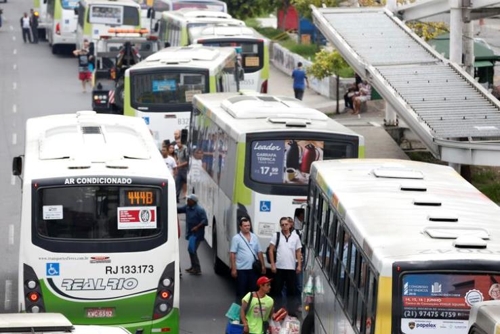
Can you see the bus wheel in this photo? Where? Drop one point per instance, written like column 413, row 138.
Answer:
column 307, row 325
column 218, row 264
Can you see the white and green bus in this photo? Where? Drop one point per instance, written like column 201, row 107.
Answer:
column 396, row 246
column 170, row 5
column 257, row 153
column 96, row 17
column 99, row 223
column 174, row 26
column 252, row 48
column 160, row 89
column 61, row 23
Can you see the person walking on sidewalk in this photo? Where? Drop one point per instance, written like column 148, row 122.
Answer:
column 196, row 220
column 25, row 26
column 299, row 81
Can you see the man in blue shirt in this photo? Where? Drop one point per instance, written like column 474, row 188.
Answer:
column 196, row 220
column 299, row 81
column 245, row 249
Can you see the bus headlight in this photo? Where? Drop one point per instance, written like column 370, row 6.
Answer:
column 167, row 282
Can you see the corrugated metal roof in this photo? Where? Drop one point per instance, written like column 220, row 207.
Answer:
column 437, row 99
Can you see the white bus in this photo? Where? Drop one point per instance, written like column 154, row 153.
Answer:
column 252, row 48
column 96, row 17
column 257, row 152
column 170, row 5
column 40, row 6
column 396, row 246
column 61, row 23
column 99, row 223
column 174, row 26
column 160, row 89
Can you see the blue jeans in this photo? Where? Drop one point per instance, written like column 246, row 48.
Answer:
column 246, row 280
column 195, row 261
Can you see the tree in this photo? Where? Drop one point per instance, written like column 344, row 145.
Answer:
column 326, row 64
column 428, row 30
column 304, row 9
column 244, row 9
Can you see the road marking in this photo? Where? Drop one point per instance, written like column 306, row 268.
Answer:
column 13, row 180
column 14, row 138
column 14, row 51
column 14, row 108
column 14, row 38
column 14, row 66
column 14, row 85
column 11, row 234
column 8, row 294
column 11, row 27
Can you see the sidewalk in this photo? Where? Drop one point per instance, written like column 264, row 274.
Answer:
column 378, row 143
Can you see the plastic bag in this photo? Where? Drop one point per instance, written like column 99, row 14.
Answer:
column 274, row 326
column 291, row 324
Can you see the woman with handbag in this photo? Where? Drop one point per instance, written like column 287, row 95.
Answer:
column 247, row 261
column 256, row 308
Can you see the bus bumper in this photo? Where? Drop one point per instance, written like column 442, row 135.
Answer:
column 168, row 324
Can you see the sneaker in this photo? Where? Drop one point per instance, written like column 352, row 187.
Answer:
column 189, row 270
column 195, row 272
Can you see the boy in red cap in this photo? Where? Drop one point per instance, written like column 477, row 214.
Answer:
column 259, row 309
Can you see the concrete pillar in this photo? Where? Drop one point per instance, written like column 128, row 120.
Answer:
column 390, row 115
column 391, row 5
column 456, row 31
column 468, row 40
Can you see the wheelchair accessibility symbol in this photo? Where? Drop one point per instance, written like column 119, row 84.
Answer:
column 146, row 119
column 52, row 269
column 265, row 206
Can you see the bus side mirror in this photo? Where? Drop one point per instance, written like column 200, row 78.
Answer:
column 184, row 136
column 75, row 10
column 156, row 27
column 17, row 166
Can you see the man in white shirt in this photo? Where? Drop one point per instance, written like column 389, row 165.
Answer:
column 25, row 26
column 286, row 266
column 169, row 160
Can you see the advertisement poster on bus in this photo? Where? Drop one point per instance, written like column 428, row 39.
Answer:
column 104, row 14
column 134, row 217
column 441, row 303
column 284, row 161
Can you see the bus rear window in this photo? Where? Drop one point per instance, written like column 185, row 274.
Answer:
column 289, row 161
column 432, row 301
column 207, row 5
column 69, row 4
column 251, row 53
column 114, row 15
column 156, row 89
column 98, row 212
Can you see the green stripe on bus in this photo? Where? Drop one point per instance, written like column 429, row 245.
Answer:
column 242, row 194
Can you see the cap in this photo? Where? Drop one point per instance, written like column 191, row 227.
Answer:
column 263, row 280
column 193, row 197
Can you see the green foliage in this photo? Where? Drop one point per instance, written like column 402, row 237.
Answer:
column 326, row 64
column 252, row 22
column 303, row 6
column 307, row 51
column 273, row 34
column 244, row 9
column 428, row 30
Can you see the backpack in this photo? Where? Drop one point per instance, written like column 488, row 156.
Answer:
column 275, row 249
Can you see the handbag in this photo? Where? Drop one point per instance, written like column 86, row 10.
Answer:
column 256, row 265
column 265, row 323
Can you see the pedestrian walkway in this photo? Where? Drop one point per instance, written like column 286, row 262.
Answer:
column 378, row 143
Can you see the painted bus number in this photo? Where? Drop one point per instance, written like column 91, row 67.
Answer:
column 108, row 312
column 183, row 121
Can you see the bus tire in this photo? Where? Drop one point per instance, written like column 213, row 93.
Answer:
column 307, row 326
column 218, row 264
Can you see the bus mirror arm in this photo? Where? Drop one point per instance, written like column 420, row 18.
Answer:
column 184, row 136
column 75, row 10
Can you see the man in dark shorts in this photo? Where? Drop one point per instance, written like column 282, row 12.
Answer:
column 84, row 75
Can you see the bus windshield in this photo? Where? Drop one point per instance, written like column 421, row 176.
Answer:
column 252, row 52
column 69, row 4
column 288, row 161
column 114, row 15
column 431, row 300
column 162, row 88
column 98, row 212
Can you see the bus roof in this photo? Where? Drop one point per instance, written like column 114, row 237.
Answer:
column 196, row 13
column 242, row 113
column 223, row 32
column 192, row 56
column 110, row 2
column 50, row 323
column 93, row 144
column 400, row 210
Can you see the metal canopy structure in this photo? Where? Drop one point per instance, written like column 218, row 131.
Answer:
column 426, row 8
column 455, row 117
